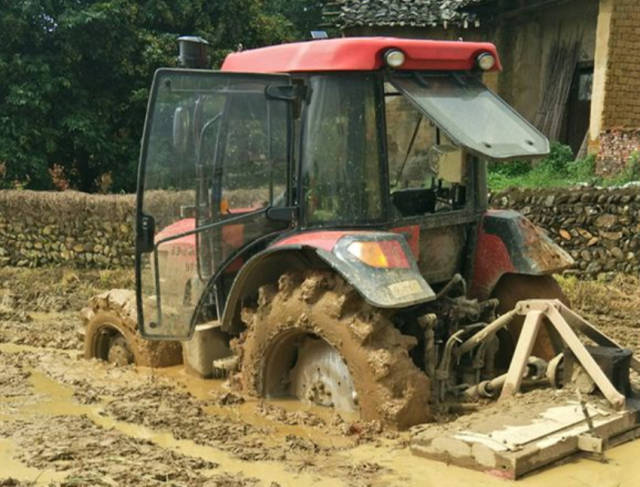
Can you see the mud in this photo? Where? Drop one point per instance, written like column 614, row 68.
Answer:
column 390, row 389
column 67, row 421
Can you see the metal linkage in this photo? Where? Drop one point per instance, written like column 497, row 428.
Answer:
column 486, row 332
column 559, row 316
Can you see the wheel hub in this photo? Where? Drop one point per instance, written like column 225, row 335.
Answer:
column 320, row 376
column 119, row 353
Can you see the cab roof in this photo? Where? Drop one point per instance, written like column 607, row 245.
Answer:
column 359, row 54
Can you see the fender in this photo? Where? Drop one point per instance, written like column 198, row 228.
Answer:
column 508, row 242
column 397, row 285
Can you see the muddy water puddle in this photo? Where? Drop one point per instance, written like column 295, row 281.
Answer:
column 10, row 467
column 50, row 398
column 56, row 399
column 274, row 414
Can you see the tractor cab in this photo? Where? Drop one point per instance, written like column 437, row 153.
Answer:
column 369, row 151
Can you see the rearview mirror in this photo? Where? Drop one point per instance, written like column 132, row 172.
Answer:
column 181, row 126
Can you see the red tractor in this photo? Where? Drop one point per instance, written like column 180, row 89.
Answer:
column 324, row 226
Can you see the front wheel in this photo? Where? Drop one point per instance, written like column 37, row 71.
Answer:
column 312, row 337
column 111, row 334
column 106, row 339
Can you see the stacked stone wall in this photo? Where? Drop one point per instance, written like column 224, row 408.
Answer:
column 600, row 228
column 76, row 229
column 69, row 228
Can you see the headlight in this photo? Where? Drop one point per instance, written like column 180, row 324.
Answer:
column 394, row 58
column 486, row 61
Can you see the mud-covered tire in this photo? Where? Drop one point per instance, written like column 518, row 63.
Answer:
column 390, row 388
column 516, row 287
column 115, row 312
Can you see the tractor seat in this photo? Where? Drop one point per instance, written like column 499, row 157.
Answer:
column 414, row 201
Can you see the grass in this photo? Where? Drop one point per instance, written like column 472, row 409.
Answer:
column 559, row 169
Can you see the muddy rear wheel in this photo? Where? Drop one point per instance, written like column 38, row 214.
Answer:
column 111, row 334
column 312, row 336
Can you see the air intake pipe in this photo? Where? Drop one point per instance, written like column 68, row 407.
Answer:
column 193, row 52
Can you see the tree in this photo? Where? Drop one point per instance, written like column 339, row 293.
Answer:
column 305, row 15
column 76, row 75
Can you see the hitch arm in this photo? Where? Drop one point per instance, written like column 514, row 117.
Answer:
column 535, row 310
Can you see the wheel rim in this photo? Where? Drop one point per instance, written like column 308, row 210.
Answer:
column 119, row 353
column 112, row 347
column 320, row 376
column 308, row 368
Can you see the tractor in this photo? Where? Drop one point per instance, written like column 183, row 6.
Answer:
column 312, row 222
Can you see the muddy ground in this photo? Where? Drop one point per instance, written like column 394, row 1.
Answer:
column 71, row 422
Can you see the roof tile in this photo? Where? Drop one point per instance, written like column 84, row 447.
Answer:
column 390, row 13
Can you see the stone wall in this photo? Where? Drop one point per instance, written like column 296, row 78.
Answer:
column 69, row 228
column 77, row 229
column 600, row 228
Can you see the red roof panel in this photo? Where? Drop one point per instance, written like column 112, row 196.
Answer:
column 358, row 54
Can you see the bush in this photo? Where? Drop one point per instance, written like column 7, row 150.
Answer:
column 557, row 169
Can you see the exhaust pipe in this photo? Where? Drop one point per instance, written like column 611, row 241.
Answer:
column 193, row 52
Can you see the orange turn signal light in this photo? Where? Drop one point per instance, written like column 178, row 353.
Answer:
column 381, row 254
column 369, row 252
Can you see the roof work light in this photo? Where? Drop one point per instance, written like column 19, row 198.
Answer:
column 394, row 58
column 486, row 61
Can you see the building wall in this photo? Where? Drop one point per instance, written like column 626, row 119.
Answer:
column 618, row 122
column 526, row 42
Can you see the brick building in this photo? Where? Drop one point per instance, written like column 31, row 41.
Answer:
column 615, row 114
column 572, row 67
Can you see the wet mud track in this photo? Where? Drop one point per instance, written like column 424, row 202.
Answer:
column 71, row 422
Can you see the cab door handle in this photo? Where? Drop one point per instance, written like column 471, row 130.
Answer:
column 146, row 231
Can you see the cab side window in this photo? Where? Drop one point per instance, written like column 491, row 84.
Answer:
column 427, row 172
column 254, row 169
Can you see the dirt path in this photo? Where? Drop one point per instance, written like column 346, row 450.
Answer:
column 70, row 422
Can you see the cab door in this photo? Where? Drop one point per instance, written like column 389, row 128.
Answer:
column 215, row 161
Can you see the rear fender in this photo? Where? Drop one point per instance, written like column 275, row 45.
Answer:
column 392, row 287
column 509, row 243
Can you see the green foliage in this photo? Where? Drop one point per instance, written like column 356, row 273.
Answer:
column 75, row 77
column 631, row 171
column 304, row 15
column 558, row 169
